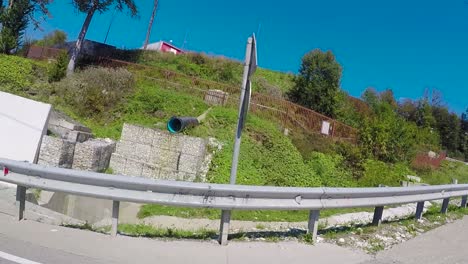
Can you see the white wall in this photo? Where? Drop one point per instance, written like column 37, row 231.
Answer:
column 22, row 124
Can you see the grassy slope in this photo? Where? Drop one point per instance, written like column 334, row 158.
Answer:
column 218, row 69
column 267, row 156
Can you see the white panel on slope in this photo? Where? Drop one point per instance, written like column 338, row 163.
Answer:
column 23, row 122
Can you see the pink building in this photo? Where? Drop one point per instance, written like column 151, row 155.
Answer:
column 164, row 47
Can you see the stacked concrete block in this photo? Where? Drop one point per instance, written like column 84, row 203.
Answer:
column 67, row 128
column 56, row 152
column 216, row 97
column 93, row 155
column 157, row 154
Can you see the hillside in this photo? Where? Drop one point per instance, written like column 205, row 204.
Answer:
column 214, row 68
column 104, row 99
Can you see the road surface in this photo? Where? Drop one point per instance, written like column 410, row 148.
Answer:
column 30, row 242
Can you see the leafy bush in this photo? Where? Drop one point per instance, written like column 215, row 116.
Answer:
column 353, row 159
column 58, row 70
column 95, row 92
column 15, row 73
column 445, row 174
column 330, row 170
column 387, row 136
column 378, row 172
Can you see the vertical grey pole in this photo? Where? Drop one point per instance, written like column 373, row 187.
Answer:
column 419, row 210
column 445, row 205
column 463, row 201
column 312, row 226
column 115, row 217
column 446, row 201
column 224, row 227
column 20, row 201
column 378, row 212
column 226, row 214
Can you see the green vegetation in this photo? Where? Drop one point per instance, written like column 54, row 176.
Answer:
column 213, row 68
column 318, row 83
column 257, row 216
column 15, row 16
column 382, row 156
column 141, row 230
column 58, row 70
column 56, row 37
column 15, row 73
column 447, row 172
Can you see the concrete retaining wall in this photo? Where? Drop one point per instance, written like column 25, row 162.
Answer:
column 157, row 154
column 91, row 155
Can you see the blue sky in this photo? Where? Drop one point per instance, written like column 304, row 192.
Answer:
column 405, row 45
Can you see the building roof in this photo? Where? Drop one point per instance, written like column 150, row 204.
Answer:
column 158, row 45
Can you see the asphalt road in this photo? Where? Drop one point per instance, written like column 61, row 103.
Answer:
column 30, row 242
column 47, row 244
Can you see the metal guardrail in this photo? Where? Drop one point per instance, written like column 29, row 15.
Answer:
column 220, row 196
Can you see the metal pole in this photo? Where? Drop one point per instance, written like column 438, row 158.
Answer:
column 115, row 217
column 226, row 214
column 20, row 201
column 378, row 212
column 419, row 210
column 240, row 120
column 312, row 225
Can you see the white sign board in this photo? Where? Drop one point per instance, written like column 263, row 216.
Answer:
column 325, row 127
column 23, row 122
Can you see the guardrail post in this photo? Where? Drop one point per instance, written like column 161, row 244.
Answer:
column 20, row 201
column 463, row 201
column 115, row 217
column 224, row 227
column 312, row 226
column 378, row 212
column 446, row 201
column 419, row 210
column 445, row 205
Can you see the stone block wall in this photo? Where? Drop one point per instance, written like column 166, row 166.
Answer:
column 157, row 154
column 91, row 155
column 56, row 152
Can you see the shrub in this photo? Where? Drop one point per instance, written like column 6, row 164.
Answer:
column 378, row 172
column 330, row 170
column 15, row 73
column 58, row 70
column 353, row 159
column 95, row 92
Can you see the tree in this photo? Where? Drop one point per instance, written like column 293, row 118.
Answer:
column 371, row 97
column 14, row 20
column 90, row 7
column 15, row 17
column 318, row 82
column 424, row 114
column 408, row 109
column 388, row 97
column 56, row 37
column 150, row 25
column 449, row 126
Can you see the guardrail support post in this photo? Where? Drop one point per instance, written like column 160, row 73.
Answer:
column 20, row 201
column 446, row 201
column 378, row 212
column 115, row 217
column 445, row 205
column 419, row 210
column 224, row 227
column 463, row 201
column 312, row 226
